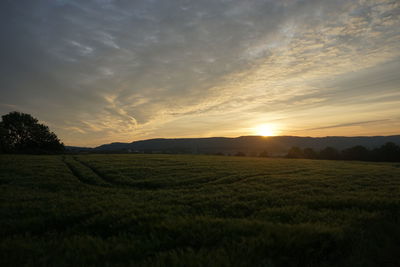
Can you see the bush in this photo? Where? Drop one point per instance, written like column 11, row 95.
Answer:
column 295, row 153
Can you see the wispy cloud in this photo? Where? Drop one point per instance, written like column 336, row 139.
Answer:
column 122, row 70
column 348, row 124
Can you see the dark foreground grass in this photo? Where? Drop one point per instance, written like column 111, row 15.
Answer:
column 163, row 210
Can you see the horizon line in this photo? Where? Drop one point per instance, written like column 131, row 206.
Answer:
column 272, row 136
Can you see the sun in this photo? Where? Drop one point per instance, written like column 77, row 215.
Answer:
column 265, row 130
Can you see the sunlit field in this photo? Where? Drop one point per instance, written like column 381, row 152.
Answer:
column 182, row 210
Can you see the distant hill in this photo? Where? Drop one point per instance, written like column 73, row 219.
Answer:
column 250, row 145
column 78, row 149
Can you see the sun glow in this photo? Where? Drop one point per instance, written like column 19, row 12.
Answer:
column 265, row 130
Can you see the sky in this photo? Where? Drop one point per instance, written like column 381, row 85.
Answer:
column 101, row 71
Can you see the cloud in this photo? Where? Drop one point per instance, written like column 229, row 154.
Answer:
column 122, row 70
column 82, row 49
column 348, row 124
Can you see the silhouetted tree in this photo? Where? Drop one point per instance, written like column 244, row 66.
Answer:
column 309, row 153
column 3, row 141
column 356, row 153
column 240, row 154
column 329, row 153
column 295, row 153
column 263, row 154
column 21, row 133
column 388, row 152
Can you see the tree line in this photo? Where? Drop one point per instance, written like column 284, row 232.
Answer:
column 389, row 152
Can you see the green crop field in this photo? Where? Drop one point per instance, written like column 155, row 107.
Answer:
column 183, row 210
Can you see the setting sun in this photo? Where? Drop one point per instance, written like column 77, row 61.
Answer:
column 265, row 130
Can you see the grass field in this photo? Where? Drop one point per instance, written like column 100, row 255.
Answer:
column 183, row 210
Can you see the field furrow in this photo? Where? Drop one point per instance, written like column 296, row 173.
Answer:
column 83, row 173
